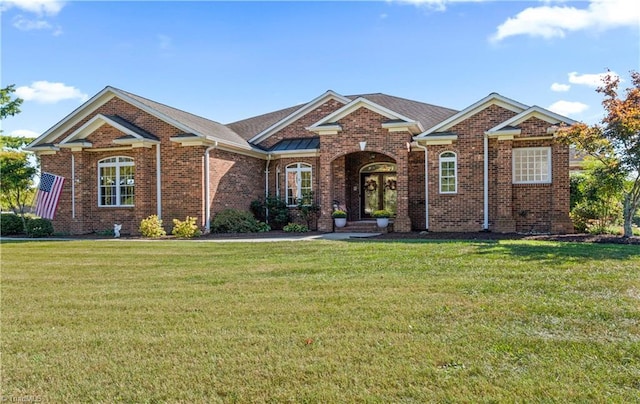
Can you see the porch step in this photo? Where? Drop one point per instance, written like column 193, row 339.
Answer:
column 364, row 226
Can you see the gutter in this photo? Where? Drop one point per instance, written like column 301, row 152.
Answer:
column 207, row 188
column 266, row 187
column 158, row 183
column 426, row 186
column 485, row 179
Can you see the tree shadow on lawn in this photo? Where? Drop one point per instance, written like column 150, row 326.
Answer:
column 539, row 251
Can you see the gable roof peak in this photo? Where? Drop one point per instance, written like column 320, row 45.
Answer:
column 491, row 99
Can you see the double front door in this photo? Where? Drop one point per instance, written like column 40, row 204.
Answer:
column 378, row 191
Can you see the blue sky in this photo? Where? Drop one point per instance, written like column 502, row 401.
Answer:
column 232, row 60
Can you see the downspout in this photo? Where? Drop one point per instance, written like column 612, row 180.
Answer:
column 207, row 188
column 158, row 183
column 73, row 186
column 426, row 186
column 485, row 190
column 266, row 188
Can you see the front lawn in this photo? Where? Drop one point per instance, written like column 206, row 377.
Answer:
column 320, row 321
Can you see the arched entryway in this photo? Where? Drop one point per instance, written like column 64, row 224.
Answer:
column 378, row 185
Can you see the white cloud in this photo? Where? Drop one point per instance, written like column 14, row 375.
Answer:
column 560, row 87
column 40, row 7
column 557, row 21
column 26, row 24
column 591, row 80
column 24, row 133
column 48, row 93
column 568, row 108
column 439, row 5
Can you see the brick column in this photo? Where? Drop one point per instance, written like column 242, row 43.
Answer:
column 402, row 222
column 560, row 191
column 76, row 225
column 505, row 223
column 325, row 221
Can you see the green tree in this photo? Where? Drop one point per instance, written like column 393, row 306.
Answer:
column 9, row 106
column 16, row 171
column 615, row 141
column 596, row 197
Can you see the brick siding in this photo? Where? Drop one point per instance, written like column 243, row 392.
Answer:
column 237, row 179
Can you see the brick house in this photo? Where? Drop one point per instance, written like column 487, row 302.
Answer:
column 493, row 166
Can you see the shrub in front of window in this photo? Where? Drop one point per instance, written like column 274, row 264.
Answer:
column 234, row 221
column 275, row 208
column 152, row 227
column 263, row 227
column 295, row 228
column 186, row 229
column 11, row 225
column 39, row 228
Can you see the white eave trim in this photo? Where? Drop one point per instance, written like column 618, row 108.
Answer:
column 77, row 114
column 296, row 153
column 43, row 150
column 412, row 127
column 358, row 103
column 93, row 124
column 326, row 129
column 533, row 112
column 136, row 142
column 491, row 99
column 503, row 132
column 310, row 106
column 433, row 140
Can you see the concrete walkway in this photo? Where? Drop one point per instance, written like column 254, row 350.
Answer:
column 327, row 236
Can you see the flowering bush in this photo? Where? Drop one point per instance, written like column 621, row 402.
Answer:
column 186, row 229
column 152, row 227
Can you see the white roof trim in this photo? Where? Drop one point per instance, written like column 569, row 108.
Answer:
column 491, row 99
column 331, row 128
column 310, row 106
column 437, row 139
column 534, row 111
column 93, row 124
column 102, row 98
column 77, row 114
column 356, row 104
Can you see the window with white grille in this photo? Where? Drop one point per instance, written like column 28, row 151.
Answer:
column 532, row 165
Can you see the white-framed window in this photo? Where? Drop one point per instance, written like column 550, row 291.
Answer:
column 532, row 165
column 116, row 181
column 298, row 183
column 448, row 173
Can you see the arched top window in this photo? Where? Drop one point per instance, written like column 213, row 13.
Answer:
column 116, row 181
column 448, row 173
column 298, row 184
column 379, row 168
column 116, row 160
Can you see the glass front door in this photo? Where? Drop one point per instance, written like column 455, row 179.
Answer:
column 378, row 189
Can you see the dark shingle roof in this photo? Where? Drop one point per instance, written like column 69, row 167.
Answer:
column 139, row 131
column 427, row 114
column 248, row 128
column 197, row 123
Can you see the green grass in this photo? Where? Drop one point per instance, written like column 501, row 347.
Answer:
column 320, row 321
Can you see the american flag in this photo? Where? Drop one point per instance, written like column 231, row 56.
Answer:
column 48, row 195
